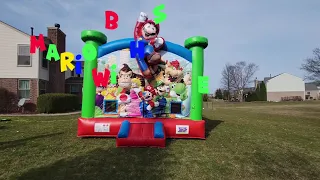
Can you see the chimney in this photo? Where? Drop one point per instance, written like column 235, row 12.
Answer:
column 56, row 77
column 57, row 25
column 57, row 37
column 31, row 31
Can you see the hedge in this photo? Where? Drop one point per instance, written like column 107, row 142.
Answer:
column 57, row 103
column 252, row 96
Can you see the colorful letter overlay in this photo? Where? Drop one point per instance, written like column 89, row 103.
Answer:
column 111, row 24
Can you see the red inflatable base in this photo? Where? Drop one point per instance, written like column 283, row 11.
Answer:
column 109, row 127
column 141, row 135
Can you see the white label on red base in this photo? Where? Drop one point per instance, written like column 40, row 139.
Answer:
column 101, row 127
column 182, row 129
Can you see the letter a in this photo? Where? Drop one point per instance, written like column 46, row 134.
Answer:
column 35, row 43
column 66, row 59
column 53, row 53
column 111, row 24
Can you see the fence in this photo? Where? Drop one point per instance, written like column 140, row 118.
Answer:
column 213, row 103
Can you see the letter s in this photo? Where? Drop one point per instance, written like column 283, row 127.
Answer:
column 161, row 15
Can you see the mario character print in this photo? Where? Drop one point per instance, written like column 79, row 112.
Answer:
column 148, row 31
column 147, row 103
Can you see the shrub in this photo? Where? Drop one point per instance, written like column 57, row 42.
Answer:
column 252, row 96
column 29, row 107
column 205, row 98
column 8, row 101
column 262, row 96
column 57, row 103
column 292, row 98
column 218, row 94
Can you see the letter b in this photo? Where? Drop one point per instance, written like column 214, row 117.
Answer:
column 111, row 24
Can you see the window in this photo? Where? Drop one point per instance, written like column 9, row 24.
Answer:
column 44, row 61
column 24, row 58
column 75, row 88
column 73, row 72
column 24, row 89
column 176, row 107
column 42, row 87
column 110, row 106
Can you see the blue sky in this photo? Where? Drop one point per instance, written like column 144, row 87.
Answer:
column 275, row 34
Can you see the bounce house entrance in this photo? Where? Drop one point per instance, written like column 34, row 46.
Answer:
column 141, row 134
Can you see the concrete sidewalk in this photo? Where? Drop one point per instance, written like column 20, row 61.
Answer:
column 56, row 114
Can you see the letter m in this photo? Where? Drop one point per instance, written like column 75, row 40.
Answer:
column 99, row 78
column 35, row 43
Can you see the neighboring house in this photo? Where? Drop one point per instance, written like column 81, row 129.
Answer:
column 283, row 86
column 73, row 82
column 29, row 75
column 312, row 91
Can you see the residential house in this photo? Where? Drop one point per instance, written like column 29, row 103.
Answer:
column 29, row 75
column 283, row 86
column 74, row 82
column 312, row 91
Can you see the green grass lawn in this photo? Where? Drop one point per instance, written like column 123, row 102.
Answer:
column 245, row 141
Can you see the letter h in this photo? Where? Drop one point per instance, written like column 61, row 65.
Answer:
column 137, row 48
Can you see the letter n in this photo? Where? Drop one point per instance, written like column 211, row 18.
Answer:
column 35, row 43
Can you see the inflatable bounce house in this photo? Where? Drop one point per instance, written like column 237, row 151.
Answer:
column 144, row 100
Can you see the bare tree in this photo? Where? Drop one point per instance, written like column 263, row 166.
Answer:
column 226, row 78
column 312, row 66
column 237, row 77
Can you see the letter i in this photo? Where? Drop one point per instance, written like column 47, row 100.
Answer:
column 113, row 74
column 78, row 64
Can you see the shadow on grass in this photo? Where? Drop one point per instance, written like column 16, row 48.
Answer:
column 114, row 163
column 20, row 142
column 210, row 125
column 284, row 165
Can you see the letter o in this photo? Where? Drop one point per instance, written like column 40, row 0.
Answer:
column 89, row 52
